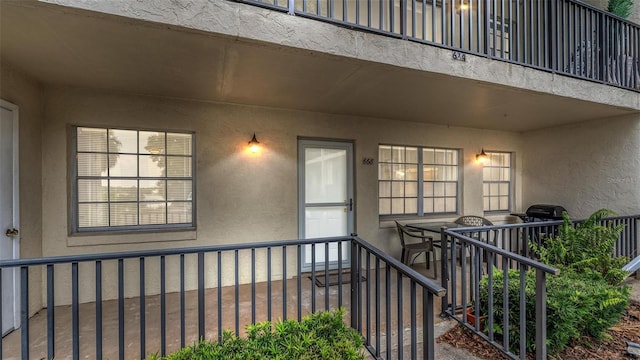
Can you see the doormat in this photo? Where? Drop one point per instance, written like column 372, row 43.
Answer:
column 321, row 279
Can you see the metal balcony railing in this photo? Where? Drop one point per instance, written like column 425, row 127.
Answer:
column 130, row 304
column 491, row 249
column 561, row 36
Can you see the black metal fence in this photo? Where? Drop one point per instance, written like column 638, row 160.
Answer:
column 481, row 252
column 561, row 36
column 131, row 304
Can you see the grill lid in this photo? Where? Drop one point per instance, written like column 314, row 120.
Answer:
column 542, row 211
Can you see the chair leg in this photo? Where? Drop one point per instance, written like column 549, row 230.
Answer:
column 402, row 257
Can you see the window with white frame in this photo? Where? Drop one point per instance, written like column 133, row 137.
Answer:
column 415, row 180
column 131, row 179
column 497, row 176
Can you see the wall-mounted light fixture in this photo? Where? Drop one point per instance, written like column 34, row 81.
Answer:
column 254, row 145
column 482, row 157
column 462, row 7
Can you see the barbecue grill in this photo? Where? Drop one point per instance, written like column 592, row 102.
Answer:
column 541, row 212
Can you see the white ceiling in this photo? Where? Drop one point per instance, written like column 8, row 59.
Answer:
column 67, row 46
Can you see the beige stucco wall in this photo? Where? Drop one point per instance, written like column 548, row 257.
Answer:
column 21, row 90
column 239, row 199
column 585, row 166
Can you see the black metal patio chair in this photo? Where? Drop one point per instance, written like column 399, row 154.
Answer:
column 411, row 250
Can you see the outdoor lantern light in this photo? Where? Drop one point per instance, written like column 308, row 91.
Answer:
column 462, row 7
column 254, row 144
column 482, row 157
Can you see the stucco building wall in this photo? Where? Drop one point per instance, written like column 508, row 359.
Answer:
column 240, row 199
column 19, row 89
column 585, row 166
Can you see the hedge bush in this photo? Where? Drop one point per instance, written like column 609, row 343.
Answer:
column 318, row 336
column 577, row 304
column 586, row 298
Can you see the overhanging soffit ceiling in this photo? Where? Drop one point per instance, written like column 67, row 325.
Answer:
column 79, row 48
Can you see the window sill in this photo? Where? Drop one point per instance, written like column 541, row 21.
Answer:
column 389, row 222
column 108, row 238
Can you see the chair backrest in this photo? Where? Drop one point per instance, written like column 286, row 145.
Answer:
column 401, row 231
column 472, row 220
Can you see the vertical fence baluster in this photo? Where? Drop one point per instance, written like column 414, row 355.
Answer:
column 326, row 276
column 523, row 314
column 505, row 302
column 541, row 315
column 340, row 260
column 98, row 309
column 219, row 296
column 142, row 309
column 237, row 293
column 490, row 310
column 51, row 324
column 377, row 310
column 453, row 291
column 121, row 309
column 428, row 319
column 367, row 295
column 284, row 280
column 299, row 281
column 355, row 305
column 253, row 286
column 444, row 280
column 434, row 38
column 269, row 284
column 24, row 310
column 387, row 313
column 163, row 307
column 359, row 285
column 313, row 278
column 201, row 301
column 182, row 303
column 412, row 318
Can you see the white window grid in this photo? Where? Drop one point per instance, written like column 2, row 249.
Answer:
column 497, row 176
column 172, row 207
column 417, row 180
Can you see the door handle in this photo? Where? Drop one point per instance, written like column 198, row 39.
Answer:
column 12, row 232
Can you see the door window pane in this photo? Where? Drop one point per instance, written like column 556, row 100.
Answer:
column 325, row 172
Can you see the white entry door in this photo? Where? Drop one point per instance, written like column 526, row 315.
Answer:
column 9, row 237
column 325, row 192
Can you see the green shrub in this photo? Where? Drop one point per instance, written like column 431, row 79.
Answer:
column 620, row 8
column 318, row 336
column 585, row 246
column 577, row 304
column 584, row 299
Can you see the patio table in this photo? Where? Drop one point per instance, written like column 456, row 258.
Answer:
column 433, row 226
